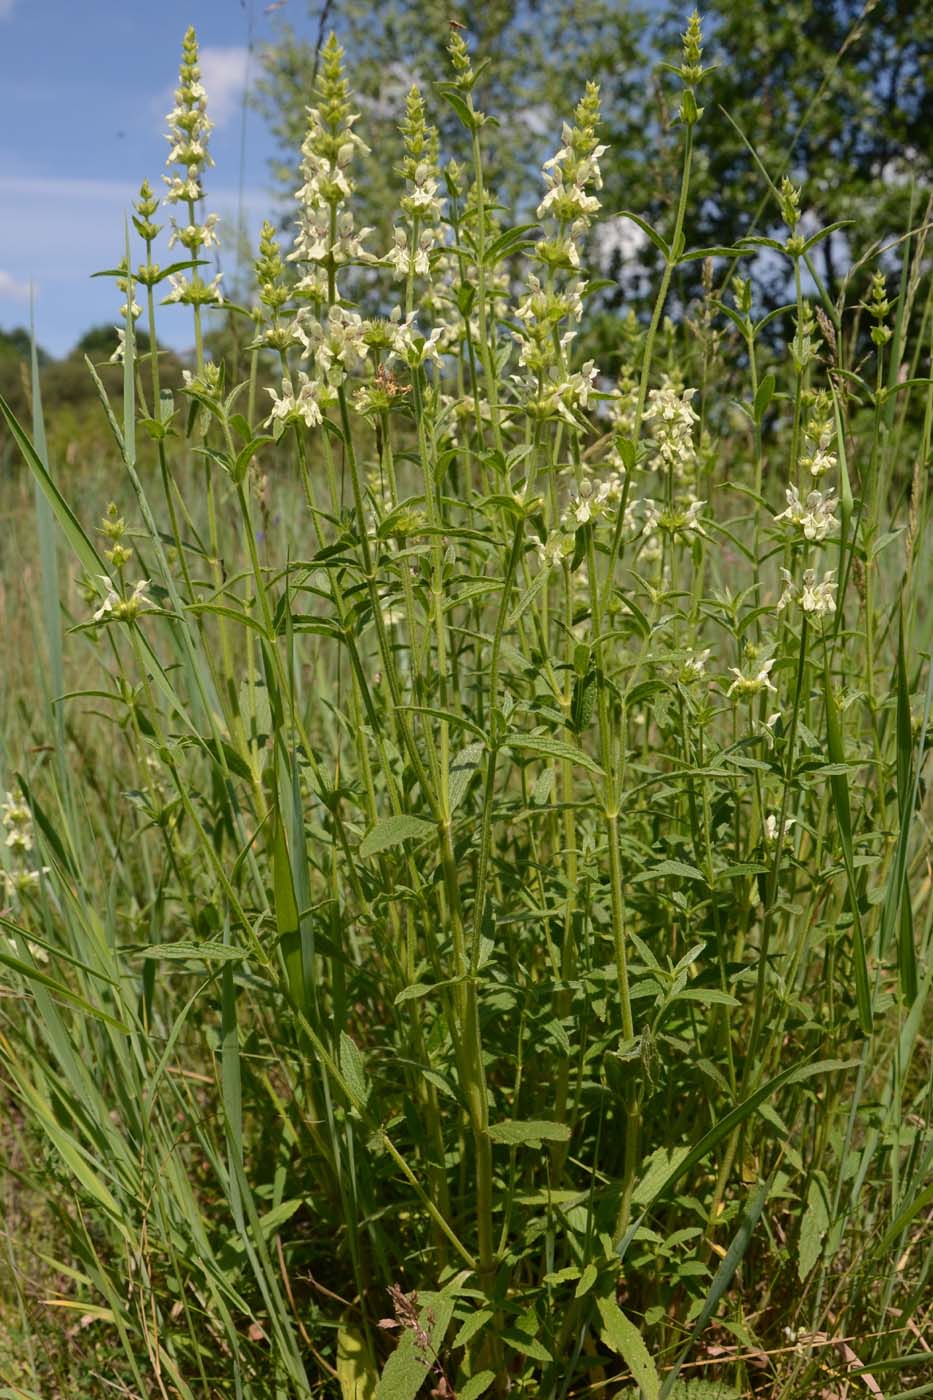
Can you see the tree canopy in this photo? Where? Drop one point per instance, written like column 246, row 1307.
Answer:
column 837, row 95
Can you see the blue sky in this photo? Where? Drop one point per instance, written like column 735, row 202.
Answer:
column 84, row 89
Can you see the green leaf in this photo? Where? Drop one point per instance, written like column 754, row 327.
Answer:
column 553, row 748
column 813, row 1227
column 902, row 1220
column 723, row 1277
column 726, row 1125
column 669, row 867
column 619, row 1333
column 714, row 252
column 897, row 895
column 414, row 992
column 473, row 1324
column 509, row 242
column 702, row 1390
column 462, row 767
column 520, row 1341
column 455, row 99
column 190, row 952
column 447, row 717
column 33, row 974
column 355, row 1374
column 392, row 831
column 286, row 911
column 763, row 397
column 352, row 1067
column 512, row 1133
column 706, row 996
column 477, row 1385
column 587, row 1279
column 825, row 233
column 660, row 1166
column 531, row 592
column 246, row 455
column 405, row 1371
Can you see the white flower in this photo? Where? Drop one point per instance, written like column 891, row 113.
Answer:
column 403, row 259
column 178, row 285
column 122, row 608
column 816, row 599
column 411, row 347
column 194, row 292
column 554, row 549
column 821, row 462
column 816, row 517
column 189, row 126
column 771, row 828
column 118, row 355
column 421, row 201
column 591, row 501
column 195, row 236
column 338, row 346
column 326, row 186
column 306, row 405
column 18, row 884
column 752, row 685
column 682, row 519
column 569, row 202
column 580, row 385
column 671, row 417
column 693, row 666
column 667, row 405
column 180, row 190
column 19, row 840
column 399, row 256
column 15, row 812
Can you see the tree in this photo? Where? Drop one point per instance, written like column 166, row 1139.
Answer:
column 100, row 342
column 540, row 52
column 835, row 94
column 17, row 345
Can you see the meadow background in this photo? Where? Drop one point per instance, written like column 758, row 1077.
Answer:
column 464, row 725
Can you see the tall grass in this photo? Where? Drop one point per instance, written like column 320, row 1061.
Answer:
column 468, row 918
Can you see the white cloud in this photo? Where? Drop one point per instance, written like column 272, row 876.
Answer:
column 33, row 211
column 70, row 189
column 6, row 8
column 223, row 73
column 10, row 286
